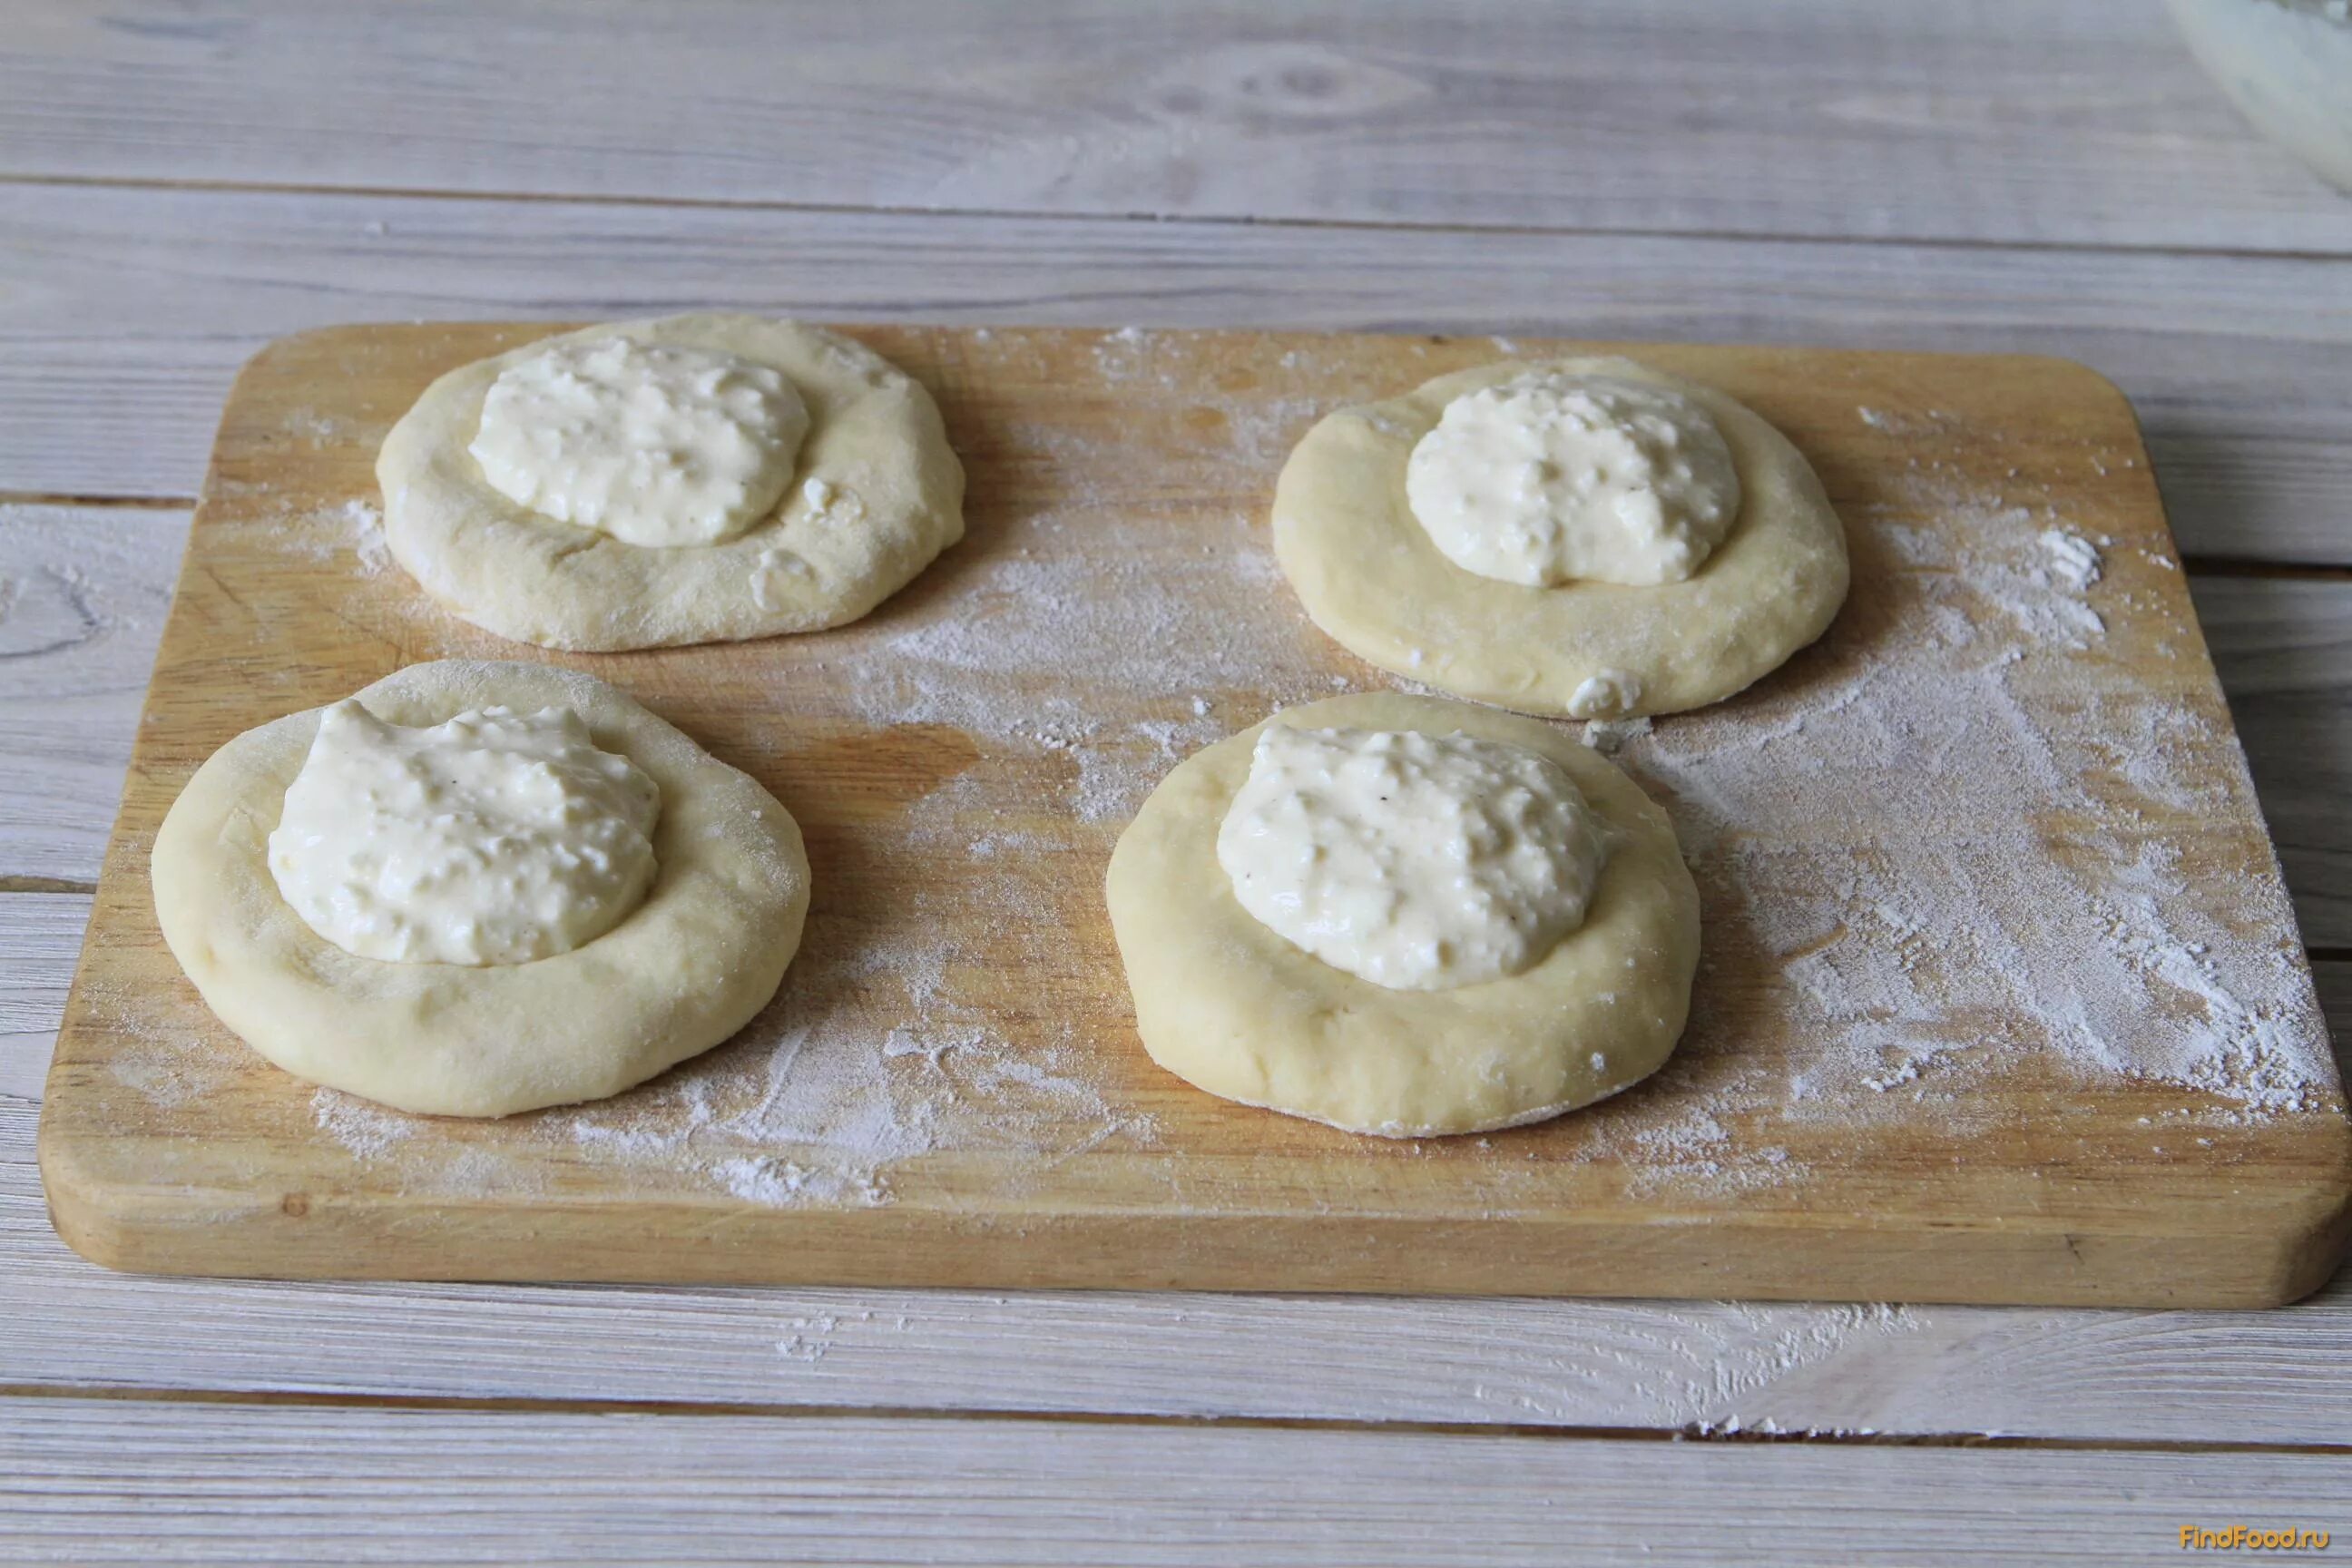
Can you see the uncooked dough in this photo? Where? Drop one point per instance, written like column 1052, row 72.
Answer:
column 1237, row 1009
column 1417, row 862
column 1370, row 574
column 686, row 968
column 871, row 495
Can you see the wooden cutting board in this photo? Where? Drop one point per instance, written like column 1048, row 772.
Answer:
column 2003, row 1000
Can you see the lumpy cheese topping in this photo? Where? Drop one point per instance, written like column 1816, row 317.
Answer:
column 497, row 837
column 653, row 444
column 1416, row 862
column 1551, row 476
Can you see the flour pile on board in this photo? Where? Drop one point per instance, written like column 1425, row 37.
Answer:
column 2074, row 561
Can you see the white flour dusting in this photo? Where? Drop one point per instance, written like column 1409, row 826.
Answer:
column 347, row 534
column 1694, row 1365
column 365, row 1128
column 809, row 1339
column 1085, row 618
column 2074, row 561
column 889, row 1042
column 765, row 1179
column 2054, row 910
column 815, row 1104
column 365, row 521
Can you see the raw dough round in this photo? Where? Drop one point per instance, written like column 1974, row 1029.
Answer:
column 876, row 494
column 1233, row 1008
column 686, row 969
column 1370, row 575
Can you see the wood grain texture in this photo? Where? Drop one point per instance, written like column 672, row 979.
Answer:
column 2077, row 123
column 108, row 1482
column 82, row 596
column 39, row 935
column 2284, row 650
column 1129, row 519
column 123, row 314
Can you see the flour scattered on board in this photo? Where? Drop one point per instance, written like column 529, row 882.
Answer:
column 889, row 1041
column 1085, row 648
column 366, row 1130
column 2056, row 914
column 346, row 533
column 2074, row 561
column 765, row 1179
column 816, row 1102
column 366, row 524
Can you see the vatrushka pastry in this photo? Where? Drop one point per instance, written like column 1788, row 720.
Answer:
column 695, row 478
column 1405, row 916
column 474, row 889
column 1587, row 537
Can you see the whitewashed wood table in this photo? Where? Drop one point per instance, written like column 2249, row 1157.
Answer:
column 180, row 181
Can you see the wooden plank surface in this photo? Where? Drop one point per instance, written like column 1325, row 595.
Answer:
column 2081, row 1375
column 82, row 596
column 40, row 933
column 2024, row 120
column 2284, row 650
column 138, row 1482
column 124, row 313
column 953, row 723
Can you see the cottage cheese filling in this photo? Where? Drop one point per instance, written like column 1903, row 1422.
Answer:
column 655, row 446
column 497, row 837
column 1551, row 476
column 1417, row 862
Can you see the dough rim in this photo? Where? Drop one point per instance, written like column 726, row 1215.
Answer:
column 1372, row 578
column 1235, row 1010
column 873, row 431
column 691, row 964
